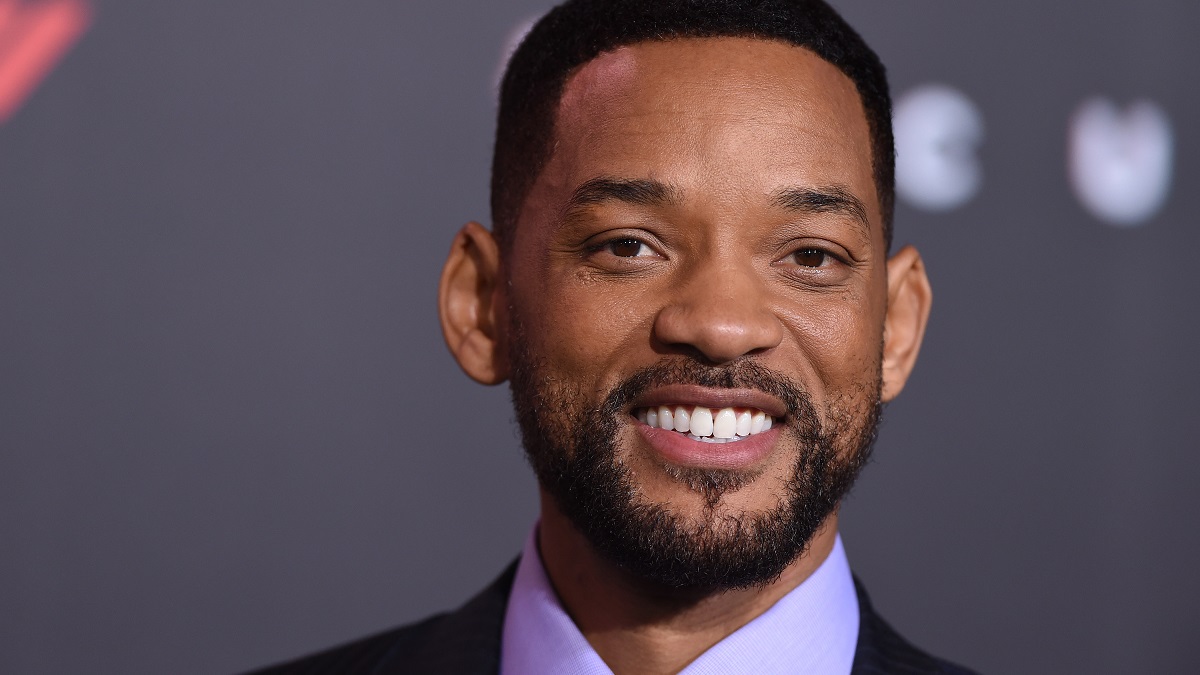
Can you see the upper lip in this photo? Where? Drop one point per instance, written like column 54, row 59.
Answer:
column 709, row 397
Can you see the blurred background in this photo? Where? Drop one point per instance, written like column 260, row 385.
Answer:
column 230, row 433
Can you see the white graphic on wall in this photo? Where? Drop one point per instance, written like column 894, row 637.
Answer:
column 1120, row 161
column 938, row 131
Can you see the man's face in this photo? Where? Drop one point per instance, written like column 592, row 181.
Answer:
column 705, row 238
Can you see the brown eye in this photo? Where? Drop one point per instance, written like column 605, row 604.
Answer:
column 628, row 248
column 810, row 257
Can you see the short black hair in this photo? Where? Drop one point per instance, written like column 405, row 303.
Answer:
column 578, row 31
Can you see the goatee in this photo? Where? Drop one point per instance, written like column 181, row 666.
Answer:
column 573, row 450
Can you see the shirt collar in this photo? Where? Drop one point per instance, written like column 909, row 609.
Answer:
column 812, row 629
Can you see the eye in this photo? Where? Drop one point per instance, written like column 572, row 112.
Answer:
column 622, row 252
column 627, row 248
column 812, row 257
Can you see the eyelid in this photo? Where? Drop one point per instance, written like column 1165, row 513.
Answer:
column 832, row 250
column 613, row 236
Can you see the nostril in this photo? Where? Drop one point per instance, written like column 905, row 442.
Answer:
column 718, row 341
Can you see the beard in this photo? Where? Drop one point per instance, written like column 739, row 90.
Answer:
column 573, row 448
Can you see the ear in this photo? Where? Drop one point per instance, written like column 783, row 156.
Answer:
column 909, row 300
column 470, row 306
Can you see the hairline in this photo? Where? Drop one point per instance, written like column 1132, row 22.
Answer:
column 571, row 73
column 869, row 100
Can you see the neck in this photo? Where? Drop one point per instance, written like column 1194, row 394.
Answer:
column 637, row 627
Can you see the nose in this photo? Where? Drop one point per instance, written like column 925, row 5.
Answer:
column 720, row 312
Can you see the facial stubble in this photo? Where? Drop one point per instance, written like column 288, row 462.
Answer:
column 573, row 448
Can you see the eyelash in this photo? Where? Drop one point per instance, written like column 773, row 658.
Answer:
column 609, row 243
column 827, row 256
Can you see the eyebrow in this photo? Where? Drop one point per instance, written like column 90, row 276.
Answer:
column 649, row 192
column 639, row 192
column 827, row 199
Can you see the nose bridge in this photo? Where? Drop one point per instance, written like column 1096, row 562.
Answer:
column 720, row 308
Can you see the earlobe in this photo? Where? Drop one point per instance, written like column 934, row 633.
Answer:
column 468, row 307
column 909, row 300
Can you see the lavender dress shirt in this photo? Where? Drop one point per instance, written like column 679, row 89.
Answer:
column 812, row 630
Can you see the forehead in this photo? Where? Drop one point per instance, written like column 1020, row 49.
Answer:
column 718, row 67
column 725, row 114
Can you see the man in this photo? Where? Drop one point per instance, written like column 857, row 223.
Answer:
column 689, row 290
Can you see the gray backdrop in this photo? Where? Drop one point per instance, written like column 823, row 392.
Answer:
column 230, row 433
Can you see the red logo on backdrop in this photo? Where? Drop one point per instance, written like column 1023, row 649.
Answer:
column 34, row 35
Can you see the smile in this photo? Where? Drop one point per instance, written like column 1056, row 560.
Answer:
column 708, row 425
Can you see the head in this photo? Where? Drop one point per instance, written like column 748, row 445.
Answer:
column 691, row 206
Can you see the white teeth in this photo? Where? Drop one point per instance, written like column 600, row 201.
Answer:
column 710, row 439
column 743, row 423
column 683, row 419
column 702, row 422
column 725, row 424
column 756, row 422
column 707, row 424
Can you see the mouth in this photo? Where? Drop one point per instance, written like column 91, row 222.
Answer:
column 705, row 424
column 688, row 425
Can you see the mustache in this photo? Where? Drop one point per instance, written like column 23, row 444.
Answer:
column 741, row 374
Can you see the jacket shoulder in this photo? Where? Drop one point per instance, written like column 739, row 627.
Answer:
column 361, row 656
column 883, row 651
column 464, row 641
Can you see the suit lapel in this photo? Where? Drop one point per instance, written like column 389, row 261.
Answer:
column 881, row 650
column 467, row 641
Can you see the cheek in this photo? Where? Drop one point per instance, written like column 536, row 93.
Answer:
column 841, row 339
column 581, row 329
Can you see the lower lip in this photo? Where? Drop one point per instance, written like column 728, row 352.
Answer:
column 678, row 449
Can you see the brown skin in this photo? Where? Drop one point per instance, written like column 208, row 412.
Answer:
column 719, row 272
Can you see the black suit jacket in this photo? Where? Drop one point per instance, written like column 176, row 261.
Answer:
column 467, row 642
